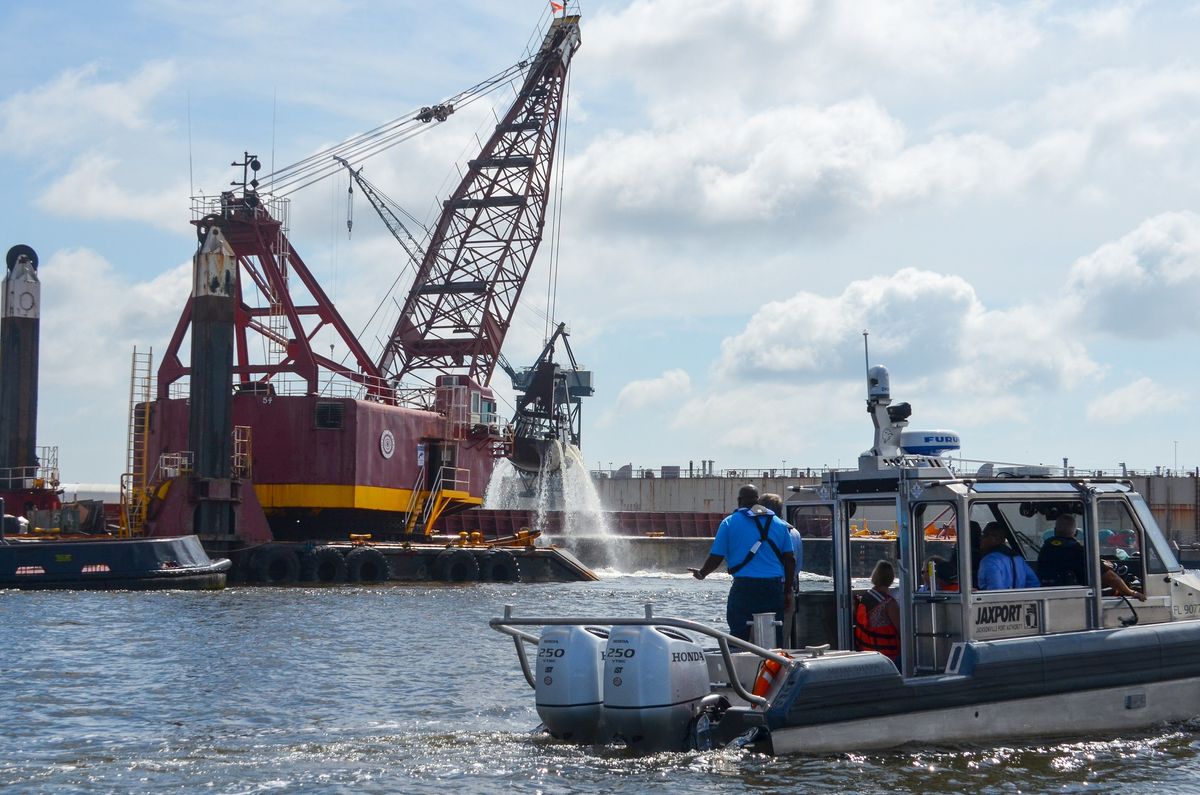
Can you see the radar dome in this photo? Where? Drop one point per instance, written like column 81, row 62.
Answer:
column 929, row 442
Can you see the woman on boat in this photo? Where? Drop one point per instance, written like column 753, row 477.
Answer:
column 877, row 617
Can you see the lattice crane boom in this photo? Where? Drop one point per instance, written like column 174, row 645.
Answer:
column 461, row 303
column 383, row 209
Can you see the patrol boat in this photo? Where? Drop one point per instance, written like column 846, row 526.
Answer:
column 975, row 665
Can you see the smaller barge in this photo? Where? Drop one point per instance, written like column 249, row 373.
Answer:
column 99, row 563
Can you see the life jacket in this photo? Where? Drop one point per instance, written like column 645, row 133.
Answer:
column 886, row 639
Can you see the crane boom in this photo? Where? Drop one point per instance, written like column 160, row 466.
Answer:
column 461, row 303
column 384, row 211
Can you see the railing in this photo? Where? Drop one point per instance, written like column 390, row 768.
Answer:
column 670, row 472
column 172, row 465
column 966, row 468
column 332, row 386
column 414, row 501
column 43, row 475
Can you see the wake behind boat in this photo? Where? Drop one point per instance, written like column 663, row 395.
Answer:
column 976, row 663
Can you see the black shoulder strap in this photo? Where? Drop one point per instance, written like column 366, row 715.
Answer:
column 763, row 530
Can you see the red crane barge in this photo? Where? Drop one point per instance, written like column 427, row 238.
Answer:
column 303, row 467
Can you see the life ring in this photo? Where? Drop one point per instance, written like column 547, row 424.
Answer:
column 456, row 565
column 367, row 564
column 767, row 673
column 500, row 566
column 323, row 564
column 276, row 564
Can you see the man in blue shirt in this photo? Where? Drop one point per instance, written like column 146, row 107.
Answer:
column 1002, row 567
column 774, row 504
column 758, row 546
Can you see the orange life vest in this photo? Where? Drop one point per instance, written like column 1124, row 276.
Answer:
column 886, row 639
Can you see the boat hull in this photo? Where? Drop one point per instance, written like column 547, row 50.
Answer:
column 178, row 563
column 1083, row 713
column 1073, row 683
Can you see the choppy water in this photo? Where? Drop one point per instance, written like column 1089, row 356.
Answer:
column 405, row 689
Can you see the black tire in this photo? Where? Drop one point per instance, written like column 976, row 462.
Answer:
column 275, row 564
column 500, row 566
column 456, row 565
column 367, row 564
column 323, row 565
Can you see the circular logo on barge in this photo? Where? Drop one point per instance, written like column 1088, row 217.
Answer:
column 387, row 444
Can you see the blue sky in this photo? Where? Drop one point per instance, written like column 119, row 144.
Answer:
column 1005, row 194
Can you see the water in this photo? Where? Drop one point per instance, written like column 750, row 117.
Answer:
column 404, row 689
column 563, row 484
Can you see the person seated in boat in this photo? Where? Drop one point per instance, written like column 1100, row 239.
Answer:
column 945, row 575
column 1001, row 566
column 877, row 616
column 1063, row 561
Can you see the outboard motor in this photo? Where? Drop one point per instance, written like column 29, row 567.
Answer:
column 570, row 691
column 654, row 680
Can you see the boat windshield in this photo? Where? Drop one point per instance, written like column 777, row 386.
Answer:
column 1161, row 556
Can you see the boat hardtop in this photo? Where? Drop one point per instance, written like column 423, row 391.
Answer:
column 977, row 663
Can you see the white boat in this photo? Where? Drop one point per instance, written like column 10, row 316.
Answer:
column 976, row 665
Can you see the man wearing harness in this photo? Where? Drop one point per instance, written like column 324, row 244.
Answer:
column 760, row 546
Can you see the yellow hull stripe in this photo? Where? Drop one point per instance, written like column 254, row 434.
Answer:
column 368, row 498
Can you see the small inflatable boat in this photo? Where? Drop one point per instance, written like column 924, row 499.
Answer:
column 1113, row 646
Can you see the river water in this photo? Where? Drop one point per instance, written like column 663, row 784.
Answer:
column 404, row 688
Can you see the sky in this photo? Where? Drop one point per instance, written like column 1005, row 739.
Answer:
column 1005, row 195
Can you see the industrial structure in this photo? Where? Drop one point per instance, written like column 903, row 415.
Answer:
column 259, row 441
column 28, row 474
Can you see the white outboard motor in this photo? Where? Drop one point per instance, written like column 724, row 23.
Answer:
column 654, row 680
column 570, row 689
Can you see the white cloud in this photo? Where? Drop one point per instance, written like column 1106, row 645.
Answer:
column 93, row 316
column 733, row 53
column 1145, row 284
column 749, row 419
column 1104, row 22
column 961, row 363
column 90, row 189
column 914, row 316
column 671, row 386
column 1134, row 401
column 800, row 165
column 78, row 107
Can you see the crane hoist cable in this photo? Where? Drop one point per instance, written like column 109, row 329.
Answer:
column 319, row 165
column 556, row 219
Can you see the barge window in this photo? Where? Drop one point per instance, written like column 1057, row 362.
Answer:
column 330, row 415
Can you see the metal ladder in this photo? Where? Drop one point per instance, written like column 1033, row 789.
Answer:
column 134, row 486
column 242, row 451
